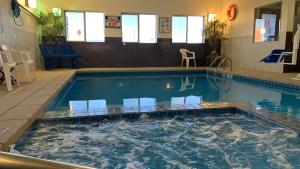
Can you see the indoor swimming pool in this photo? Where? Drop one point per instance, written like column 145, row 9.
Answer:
column 141, row 136
column 143, row 91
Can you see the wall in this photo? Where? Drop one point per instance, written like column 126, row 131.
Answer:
column 240, row 46
column 18, row 37
column 113, row 53
column 163, row 8
column 297, row 15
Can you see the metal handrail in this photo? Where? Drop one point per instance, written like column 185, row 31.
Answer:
column 13, row 161
column 214, row 61
column 212, row 54
column 223, row 61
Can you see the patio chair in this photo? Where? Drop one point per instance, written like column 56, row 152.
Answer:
column 8, row 65
column 25, row 59
column 186, row 58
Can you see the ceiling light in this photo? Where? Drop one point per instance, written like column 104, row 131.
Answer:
column 30, row 3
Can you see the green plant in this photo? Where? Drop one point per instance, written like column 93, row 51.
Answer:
column 214, row 32
column 51, row 27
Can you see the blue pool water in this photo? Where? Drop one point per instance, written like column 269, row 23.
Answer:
column 229, row 140
column 214, row 139
column 90, row 91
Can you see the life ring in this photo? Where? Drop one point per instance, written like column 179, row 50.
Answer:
column 231, row 12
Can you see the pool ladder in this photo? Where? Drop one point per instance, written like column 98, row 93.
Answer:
column 222, row 62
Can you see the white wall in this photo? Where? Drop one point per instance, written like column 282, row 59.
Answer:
column 240, row 46
column 18, row 37
column 163, row 8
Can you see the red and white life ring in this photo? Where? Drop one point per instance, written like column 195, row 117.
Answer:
column 231, row 12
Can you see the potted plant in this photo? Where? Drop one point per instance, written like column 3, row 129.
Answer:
column 52, row 27
column 215, row 33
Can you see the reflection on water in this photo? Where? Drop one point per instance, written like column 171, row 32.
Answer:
column 89, row 106
column 228, row 141
column 187, row 83
column 189, row 101
column 82, row 107
column 172, row 90
column 139, row 105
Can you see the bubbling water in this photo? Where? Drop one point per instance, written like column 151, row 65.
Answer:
column 229, row 141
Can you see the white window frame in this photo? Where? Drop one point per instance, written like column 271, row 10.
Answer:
column 84, row 21
column 138, row 25
column 138, row 30
column 155, row 27
column 203, row 35
column 187, row 29
column 86, row 26
column 66, row 26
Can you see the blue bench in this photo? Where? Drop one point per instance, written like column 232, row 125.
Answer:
column 54, row 54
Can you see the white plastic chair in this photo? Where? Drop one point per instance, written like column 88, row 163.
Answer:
column 297, row 77
column 26, row 60
column 7, row 63
column 186, row 58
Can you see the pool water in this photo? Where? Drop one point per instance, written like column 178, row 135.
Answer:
column 224, row 141
column 95, row 91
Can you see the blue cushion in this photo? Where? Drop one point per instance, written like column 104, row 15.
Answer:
column 270, row 59
column 273, row 57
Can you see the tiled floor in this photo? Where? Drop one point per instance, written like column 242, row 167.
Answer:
column 278, row 77
column 19, row 108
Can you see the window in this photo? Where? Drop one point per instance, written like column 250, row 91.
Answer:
column 147, row 25
column 267, row 21
column 139, row 28
column 94, row 27
column 85, row 26
column 187, row 29
column 75, row 26
column 130, row 28
column 179, row 25
column 195, row 29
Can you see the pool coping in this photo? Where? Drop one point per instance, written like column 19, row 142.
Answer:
column 17, row 118
column 21, row 109
column 166, row 110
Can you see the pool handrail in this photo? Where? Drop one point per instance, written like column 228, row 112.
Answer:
column 214, row 61
column 14, row 161
column 223, row 61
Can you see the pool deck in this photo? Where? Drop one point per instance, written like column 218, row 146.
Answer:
column 21, row 107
